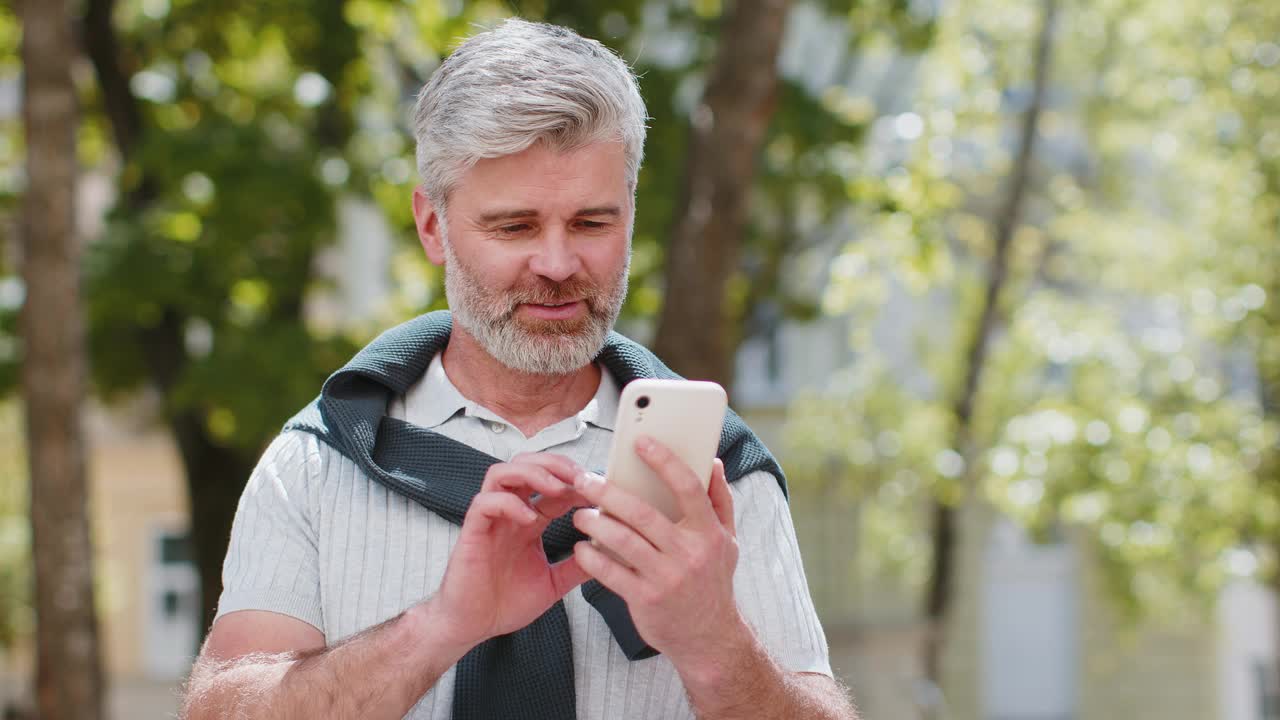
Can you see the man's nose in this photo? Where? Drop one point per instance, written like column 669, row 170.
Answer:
column 556, row 257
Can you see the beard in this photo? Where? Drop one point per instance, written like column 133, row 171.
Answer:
column 532, row 345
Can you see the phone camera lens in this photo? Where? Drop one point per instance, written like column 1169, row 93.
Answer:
column 642, row 401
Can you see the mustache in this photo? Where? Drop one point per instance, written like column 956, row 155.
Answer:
column 548, row 292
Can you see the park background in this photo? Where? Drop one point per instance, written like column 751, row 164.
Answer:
column 998, row 281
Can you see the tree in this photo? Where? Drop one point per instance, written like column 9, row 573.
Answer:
column 942, row 576
column 1252, row 214
column 757, row 186
column 236, row 126
column 239, row 126
column 204, row 269
column 68, row 671
column 726, row 132
column 1122, row 414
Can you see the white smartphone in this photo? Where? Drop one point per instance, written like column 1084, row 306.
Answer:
column 685, row 415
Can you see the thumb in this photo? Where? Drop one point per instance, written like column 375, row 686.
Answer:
column 721, row 498
column 567, row 575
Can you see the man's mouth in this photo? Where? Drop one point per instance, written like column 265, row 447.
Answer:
column 555, row 304
column 555, row 310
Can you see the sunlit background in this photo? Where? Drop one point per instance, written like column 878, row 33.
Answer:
column 1015, row 340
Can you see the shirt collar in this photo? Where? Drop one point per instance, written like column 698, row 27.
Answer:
column 602, row 411
column 434, row 399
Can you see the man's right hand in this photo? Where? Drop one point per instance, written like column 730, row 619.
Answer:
column 263, row 664
column 499, row 579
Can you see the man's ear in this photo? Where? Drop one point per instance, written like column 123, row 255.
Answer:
column 427, row 221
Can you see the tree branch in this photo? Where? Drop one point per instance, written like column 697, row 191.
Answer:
column 945, row 529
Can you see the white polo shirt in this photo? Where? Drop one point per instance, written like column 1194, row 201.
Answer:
column 316, row 539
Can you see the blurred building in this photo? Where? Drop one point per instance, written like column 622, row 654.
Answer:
column 1035, row 635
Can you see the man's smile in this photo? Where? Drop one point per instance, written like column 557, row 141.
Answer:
column 555, row 311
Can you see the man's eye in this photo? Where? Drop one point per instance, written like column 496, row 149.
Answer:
column 592, row 224
column 513, row 229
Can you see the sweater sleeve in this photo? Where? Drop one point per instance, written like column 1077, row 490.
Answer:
column 770, row 583
column 272, row 560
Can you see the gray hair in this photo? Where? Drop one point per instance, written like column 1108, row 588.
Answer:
column 520, row 83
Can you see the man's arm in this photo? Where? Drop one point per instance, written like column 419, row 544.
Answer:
column 745, row 682
column 268, row 665
column 378, row 673
column 677, row 579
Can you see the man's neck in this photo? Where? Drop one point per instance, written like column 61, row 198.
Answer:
column 530, row 402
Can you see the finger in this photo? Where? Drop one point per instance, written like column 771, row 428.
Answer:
column 552, row 508
column 682, row 480
column 611, row 573
column 630, row 547
column 631, row 509
column 567, row 575
column 503, row 477
column 524, row 480
column 491, row 508
column 721, row 497
column 558, row 465
column 555, row 474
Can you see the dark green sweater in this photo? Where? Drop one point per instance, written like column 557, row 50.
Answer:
column 529, row 673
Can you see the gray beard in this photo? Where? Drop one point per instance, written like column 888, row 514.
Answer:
column 489, row 316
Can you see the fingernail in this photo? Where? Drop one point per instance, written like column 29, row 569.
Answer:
column 587, row 481
column 644, row 443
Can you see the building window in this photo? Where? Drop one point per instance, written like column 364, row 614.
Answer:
column 1264, row 674
column 172, row 607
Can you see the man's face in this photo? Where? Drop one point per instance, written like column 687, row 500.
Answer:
column 536, row 252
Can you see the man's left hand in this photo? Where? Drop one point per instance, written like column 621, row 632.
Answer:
column 677, row 577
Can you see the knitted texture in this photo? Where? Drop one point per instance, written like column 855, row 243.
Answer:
column 528, row 673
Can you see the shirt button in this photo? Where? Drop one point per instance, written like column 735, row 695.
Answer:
column 497, row 427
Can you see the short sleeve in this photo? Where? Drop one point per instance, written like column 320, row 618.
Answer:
column 272, row 560
column 769, row 583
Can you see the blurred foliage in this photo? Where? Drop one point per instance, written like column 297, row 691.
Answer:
column 1125, row 398
column 1125, row 395
column 212, row 276
column 223, row 208
column 16, row 615
column 1133, row 393
column 260, row 118
column 11, row 180
column 15, row 531
column 1123, row 402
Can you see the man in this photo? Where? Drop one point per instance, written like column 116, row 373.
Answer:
column 405, row 547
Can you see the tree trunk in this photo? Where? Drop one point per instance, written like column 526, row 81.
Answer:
column 216, row 477
column 727, row 128
column 945, row 530
column 215, row 474
column 69, row 681
column 102, row 46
